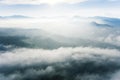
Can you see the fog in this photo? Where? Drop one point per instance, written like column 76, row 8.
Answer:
column 60, row 48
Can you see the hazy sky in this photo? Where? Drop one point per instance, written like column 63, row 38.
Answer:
column 59, row 40
column 38, row 8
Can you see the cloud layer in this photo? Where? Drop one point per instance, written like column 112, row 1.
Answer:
column 39, row 1
column 90, row 52
column 97, row 30
column 62, row 64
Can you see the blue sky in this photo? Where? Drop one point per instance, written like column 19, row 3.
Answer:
column 38, row 8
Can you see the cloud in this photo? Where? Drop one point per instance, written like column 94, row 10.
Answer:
column 37, row 38
column 39, row 1
column 62, row 64
column 101, row 32
column 32, row 53
column 116, row 76
column 53, row 56
column 60, row 7
column 113, row 0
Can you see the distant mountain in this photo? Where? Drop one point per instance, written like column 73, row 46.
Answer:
column 109, row 21
column 14, row 17
column 100, row 25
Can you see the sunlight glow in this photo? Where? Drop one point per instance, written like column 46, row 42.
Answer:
column 50, row 2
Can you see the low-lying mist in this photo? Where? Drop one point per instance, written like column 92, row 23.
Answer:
column 60, row 49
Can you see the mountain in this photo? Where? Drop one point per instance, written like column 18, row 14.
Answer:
column 14, row 17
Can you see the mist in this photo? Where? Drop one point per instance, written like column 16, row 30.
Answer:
column 60, row 48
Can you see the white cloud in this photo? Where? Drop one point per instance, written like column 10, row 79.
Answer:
column 113, row 0
column 39, row 1
column 35, row 56
column 59, row 61
column 69, row 27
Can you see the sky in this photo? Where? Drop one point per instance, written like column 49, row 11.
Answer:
column 59, row 40
column 50, row 8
